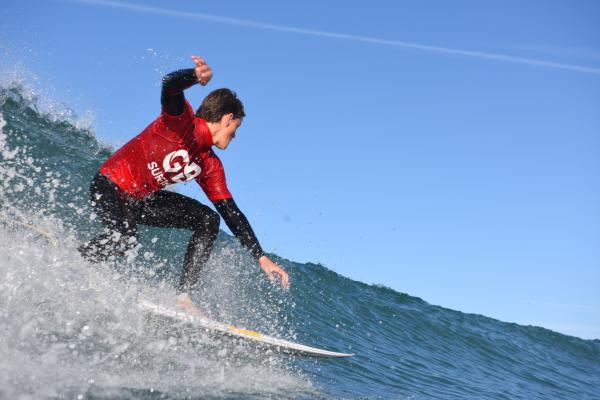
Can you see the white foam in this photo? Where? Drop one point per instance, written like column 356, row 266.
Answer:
column 68, row 324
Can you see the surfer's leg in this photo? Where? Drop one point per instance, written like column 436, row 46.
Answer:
column 166, row 209
column 120, row 228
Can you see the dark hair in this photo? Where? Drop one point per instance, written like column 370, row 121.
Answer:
column 218, row 103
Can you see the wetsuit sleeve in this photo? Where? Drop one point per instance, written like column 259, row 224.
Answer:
column 239, row 225
column 173, row 85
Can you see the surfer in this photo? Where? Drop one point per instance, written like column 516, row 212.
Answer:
column 176, row 147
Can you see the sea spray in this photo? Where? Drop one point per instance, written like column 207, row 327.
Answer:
column 70, row 329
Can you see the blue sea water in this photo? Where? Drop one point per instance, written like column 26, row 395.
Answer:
column 70, row 330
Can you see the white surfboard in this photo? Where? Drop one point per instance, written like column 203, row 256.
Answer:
column 230, row 330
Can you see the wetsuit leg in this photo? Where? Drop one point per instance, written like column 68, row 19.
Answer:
column 113, row 208
column 121, row 214
column 166, row 209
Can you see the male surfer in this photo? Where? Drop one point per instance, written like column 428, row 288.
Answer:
column 175, row 147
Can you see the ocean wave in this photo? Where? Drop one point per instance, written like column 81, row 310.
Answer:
column 70, row 329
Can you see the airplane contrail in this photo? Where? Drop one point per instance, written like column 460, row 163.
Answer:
column 356, row 38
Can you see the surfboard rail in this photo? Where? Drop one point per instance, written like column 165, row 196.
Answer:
column 231, row 330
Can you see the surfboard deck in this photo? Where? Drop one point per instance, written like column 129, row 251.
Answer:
column 230, row 330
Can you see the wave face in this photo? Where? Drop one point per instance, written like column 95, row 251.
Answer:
column 69, row 329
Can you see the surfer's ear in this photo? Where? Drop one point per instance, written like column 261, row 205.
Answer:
column 227, row 119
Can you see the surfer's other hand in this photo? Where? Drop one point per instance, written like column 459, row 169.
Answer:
column 202, row 70
column 272, row 269
column 185, row 301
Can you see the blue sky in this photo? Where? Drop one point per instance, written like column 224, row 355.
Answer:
column 449, row 150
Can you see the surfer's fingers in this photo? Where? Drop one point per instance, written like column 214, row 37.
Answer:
column 203, row 67
column 284, row 279
column 198, row 60
column 204, row 71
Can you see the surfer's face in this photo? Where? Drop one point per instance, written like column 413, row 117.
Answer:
column 227, row 130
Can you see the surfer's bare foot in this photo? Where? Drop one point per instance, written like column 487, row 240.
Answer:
column 185, row 301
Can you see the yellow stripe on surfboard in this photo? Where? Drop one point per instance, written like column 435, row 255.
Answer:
column 232, row 328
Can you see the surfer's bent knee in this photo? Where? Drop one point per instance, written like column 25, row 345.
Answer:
column 202, row 218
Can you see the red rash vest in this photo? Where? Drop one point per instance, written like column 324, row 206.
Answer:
column 170, row 150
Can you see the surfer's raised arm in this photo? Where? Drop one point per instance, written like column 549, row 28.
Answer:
column 173, row 85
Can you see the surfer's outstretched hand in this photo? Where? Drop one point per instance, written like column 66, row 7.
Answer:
column 272, row 269
column 202, row 70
